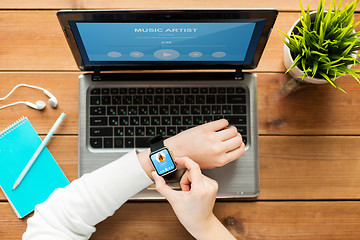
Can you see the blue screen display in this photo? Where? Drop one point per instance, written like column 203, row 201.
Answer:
column 161, row 42
column 162, row 161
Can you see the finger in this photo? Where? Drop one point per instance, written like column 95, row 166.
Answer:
column 161, row 187
column 227, row 133
column 216, row 125
column 180, row 164
column 185, row 182
column 214, row 184
column 195, row 175
column 233, row 143
column 235, row 154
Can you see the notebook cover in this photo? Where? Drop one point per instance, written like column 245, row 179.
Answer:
column 17, row 145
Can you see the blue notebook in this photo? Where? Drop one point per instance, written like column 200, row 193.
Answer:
column 18, row 143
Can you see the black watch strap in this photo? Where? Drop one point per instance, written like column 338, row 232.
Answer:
column 156, row 143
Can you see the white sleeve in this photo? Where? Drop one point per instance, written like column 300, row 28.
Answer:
column 73, row 211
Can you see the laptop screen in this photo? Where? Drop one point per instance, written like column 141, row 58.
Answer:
column 167, row 39
column 101, row 43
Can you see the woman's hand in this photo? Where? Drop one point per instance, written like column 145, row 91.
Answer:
column 213, row 144
column 194, row 204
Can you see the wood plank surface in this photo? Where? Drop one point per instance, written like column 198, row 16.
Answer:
column 33, row 40
column 291, row 167
column 245, row 220
column 283, row 5
column 315, row 109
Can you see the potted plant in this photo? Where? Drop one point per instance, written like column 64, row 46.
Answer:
column 322, row 45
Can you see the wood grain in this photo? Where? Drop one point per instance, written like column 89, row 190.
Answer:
column 245, row 220
column 283, row 5
column 33, row 40
column 315, row 109
column 291, row 167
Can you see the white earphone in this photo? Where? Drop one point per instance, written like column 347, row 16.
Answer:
column 39, row 105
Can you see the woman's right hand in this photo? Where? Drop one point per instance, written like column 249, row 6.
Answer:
column 194, row 204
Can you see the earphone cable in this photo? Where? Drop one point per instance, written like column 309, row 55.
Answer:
column 21, row 85
column 11, row 104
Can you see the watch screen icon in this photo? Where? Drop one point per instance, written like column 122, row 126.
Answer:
column 160, row 157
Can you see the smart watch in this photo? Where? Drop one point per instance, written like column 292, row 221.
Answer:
column 160, row 156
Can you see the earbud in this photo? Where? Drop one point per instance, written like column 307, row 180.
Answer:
column 39, row 105
column 52, row 101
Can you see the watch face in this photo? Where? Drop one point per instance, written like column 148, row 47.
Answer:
column 162, row 161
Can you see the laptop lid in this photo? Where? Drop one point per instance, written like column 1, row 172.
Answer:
column 167, row 39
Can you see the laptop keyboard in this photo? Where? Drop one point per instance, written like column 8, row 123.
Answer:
column 128, row 117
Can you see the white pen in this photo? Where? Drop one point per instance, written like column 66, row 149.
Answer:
column 38, row 151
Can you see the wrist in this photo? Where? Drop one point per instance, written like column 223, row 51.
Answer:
column 212, row 228
column 145, row 162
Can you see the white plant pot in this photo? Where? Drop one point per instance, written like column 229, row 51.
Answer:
column 288, row 60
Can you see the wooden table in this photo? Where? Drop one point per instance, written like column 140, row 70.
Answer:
column 309, row 140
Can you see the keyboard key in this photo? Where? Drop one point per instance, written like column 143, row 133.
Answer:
column 129, row 142
column 230, row 90
column 179, row 99
column 204, row 90
column 197, row 120
column 205, row 109
column 239, row 109
column 132, row 90
column 108, row 142
column 169, row 99
column 96, row 142
column 244, row 138
column 185, row 110
column 200, row 99
column 123, row 121
column 126, row 99
column 221, row 90
column 148, row 99
column 220, row 99
column 123, row 91
column 226, row 109
column 105, row 100
column 187, row 120
column 176, row 120
column 153, row 110
column 113, row 121
column 240, row 90
column 142, row 142
column 242, row 130
column 177, row 90
column 150, row 131
column 195, row 90
column 118, row 142
column 195, row 109
column 150, row 90
column 236, row 120
column 168, row 90
column 111, row 110
column 105, row 91
column 101, row 131
column 236, row 99
column 171, row 131
column 132, row 110
column 139, row 131
column 129, row 131
column 212, row 90
column 137, row 99
column 164, row 110
column 145, row 120
column 114, row 91
column 143, row 110
column 122, row 110
column 98, row 121
column 119, row 131
column 141, row 91
column 158, row 99
column 161, row 131
column 166, row 120
column 174, row 110
column 95, row 91
column 94, row 100
column 190, row 99
column 134, row 121
column 186, row 90
column 216, row 109
column 208, row 118
column 159, row 90
column 210, row 99
column 181, row 129
column 155, row 120
column 115, row 100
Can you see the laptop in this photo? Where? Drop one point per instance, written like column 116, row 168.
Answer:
column 120, row 110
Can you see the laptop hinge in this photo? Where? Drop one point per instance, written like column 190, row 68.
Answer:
column 96, row 75
column 239, row 75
